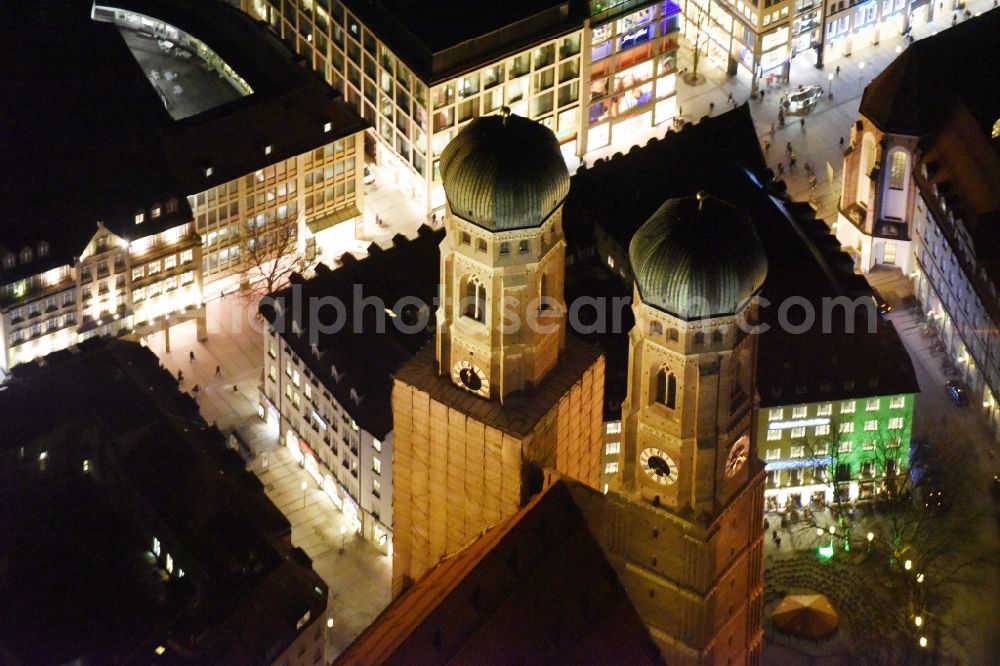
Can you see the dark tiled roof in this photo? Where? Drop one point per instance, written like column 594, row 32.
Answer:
column 722, row 156
column 438, row 40
column 504, row 172
column 535, row 589
column 78, row 582
column 520, row 412
column 957, row 66
column 365, row 358
column 86, row 138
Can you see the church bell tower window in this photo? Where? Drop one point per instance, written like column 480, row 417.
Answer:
column 666, row 388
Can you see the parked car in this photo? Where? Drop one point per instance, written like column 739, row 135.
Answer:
column 957, row 393
column 801, row 99
column 883, row 305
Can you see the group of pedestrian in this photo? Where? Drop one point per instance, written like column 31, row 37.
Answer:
column 196, row 389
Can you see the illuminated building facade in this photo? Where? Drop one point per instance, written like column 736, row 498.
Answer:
column 420, row 75
column 218, row 141
column 838, row 450
column 327, row 388
column 920, row 192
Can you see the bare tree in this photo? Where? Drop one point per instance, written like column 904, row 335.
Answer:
column 272, row 254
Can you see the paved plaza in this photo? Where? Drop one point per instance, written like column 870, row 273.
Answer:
column 357, row 574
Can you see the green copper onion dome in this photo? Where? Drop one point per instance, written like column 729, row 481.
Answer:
column 697, row 257
column 504, row 172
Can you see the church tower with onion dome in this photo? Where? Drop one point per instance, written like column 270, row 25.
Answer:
column 685, row 528
column 504, row 401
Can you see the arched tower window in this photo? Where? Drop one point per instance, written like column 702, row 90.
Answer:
column 655, row 328
column 672, row 334
column 666, row 388
column 716, row 335
column 897, row 170
column 699, row 338
column 542, row 291
column 474, row 300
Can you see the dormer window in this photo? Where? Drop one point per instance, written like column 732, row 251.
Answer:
column 25, row 255
column 327, row 127
column 172, row 205
column 9, row 261
column 156, row 212
column 268, row 149
column 140, row 218
column 43, row 249
column 209, row 171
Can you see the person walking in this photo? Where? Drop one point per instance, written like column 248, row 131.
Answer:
column 781, row 169
column 730, row 99
column 841, row 142
column 788, row 148
column 772, row 130
column 218, row 371
column 802, row 124
column 762, row 95
column 191, row 356
column 837, row 71
column 235, row 388
column 711, row 108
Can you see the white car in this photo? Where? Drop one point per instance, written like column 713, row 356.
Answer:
column 802, row 99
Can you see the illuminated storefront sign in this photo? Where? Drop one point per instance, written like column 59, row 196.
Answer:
column 801, row 423
column 799, row 463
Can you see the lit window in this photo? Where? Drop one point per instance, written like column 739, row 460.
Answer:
column 377, row 445
column 612, row 448
column 869, row 445
column 871, row 425
column 844, row 447
column 824, row 410
column 798, row 452
column 822, row 430
column 775, row 414
column 773, row 435
column 156, row 546
column 186, row 256
column 896, row 423
column 327, row 127
column 376, row 488
column 846, row 428
column 156, row 212
column 296, row 378
column 170, row 262
column 898, row 402
column 376, row 465
column 799, row 412
column 613, row 428
column 897, row 170
column 872, row 405
column 86, row 466
column 772, row 454
column 154, row 267
column 847, row 407
column 139, row 217
column 798, row 433
column 170, row 564
column 611, row 468
column 137, row 273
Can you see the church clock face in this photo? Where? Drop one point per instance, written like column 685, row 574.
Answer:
column 658, row 466
column 738, row 455
column 471, row 377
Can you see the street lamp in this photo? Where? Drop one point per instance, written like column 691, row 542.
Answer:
column 870, row 537
column 920, row 578
column 923, row 641
column 908, row 564
column 918, row 621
